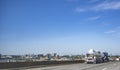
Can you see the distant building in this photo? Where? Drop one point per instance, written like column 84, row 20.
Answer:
column 49, row 56
column 40, row 55
column 55, row 55
column 0, row 56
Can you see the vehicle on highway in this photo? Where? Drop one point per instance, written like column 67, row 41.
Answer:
column 117, row 59
column 96, row 57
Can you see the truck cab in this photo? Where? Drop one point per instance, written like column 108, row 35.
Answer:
column 94, row 56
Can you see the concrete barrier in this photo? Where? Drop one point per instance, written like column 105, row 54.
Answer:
column 40, row 63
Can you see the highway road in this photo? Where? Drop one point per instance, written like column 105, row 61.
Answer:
column 81, row 66
column 102, row 66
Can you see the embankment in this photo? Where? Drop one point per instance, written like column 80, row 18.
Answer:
column 40, row 63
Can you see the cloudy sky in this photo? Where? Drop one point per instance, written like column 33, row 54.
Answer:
column 60, row 26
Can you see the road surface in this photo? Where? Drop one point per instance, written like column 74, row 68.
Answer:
column 82, row 66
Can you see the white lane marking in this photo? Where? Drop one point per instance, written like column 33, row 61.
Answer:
column 104, row 69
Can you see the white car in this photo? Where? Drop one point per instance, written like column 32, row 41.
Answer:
column 117, row 59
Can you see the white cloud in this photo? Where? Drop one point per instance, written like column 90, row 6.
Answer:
column 115, row 32
column 80, row 10
column 107, row 6
column 100, row 7
column 92, row 1
column 105, row 24
column 109, row 32
column 94, row 18
column 72, row 0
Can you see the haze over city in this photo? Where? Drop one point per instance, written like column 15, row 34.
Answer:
column 59, row 26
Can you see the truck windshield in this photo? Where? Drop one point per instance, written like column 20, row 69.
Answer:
column 89, row 55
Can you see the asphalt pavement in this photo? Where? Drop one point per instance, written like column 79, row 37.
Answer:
column 102, row 66
column 81, row 66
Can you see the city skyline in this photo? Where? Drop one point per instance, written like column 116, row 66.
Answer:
column 59, row 26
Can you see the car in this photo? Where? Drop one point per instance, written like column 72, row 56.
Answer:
column 117, row 59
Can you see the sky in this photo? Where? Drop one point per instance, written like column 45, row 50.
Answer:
column 59, row 26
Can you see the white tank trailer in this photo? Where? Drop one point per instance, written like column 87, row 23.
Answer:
column 96, row 57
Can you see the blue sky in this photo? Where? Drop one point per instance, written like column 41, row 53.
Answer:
column 60, row 26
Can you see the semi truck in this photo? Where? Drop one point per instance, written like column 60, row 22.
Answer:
column 96, row 57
